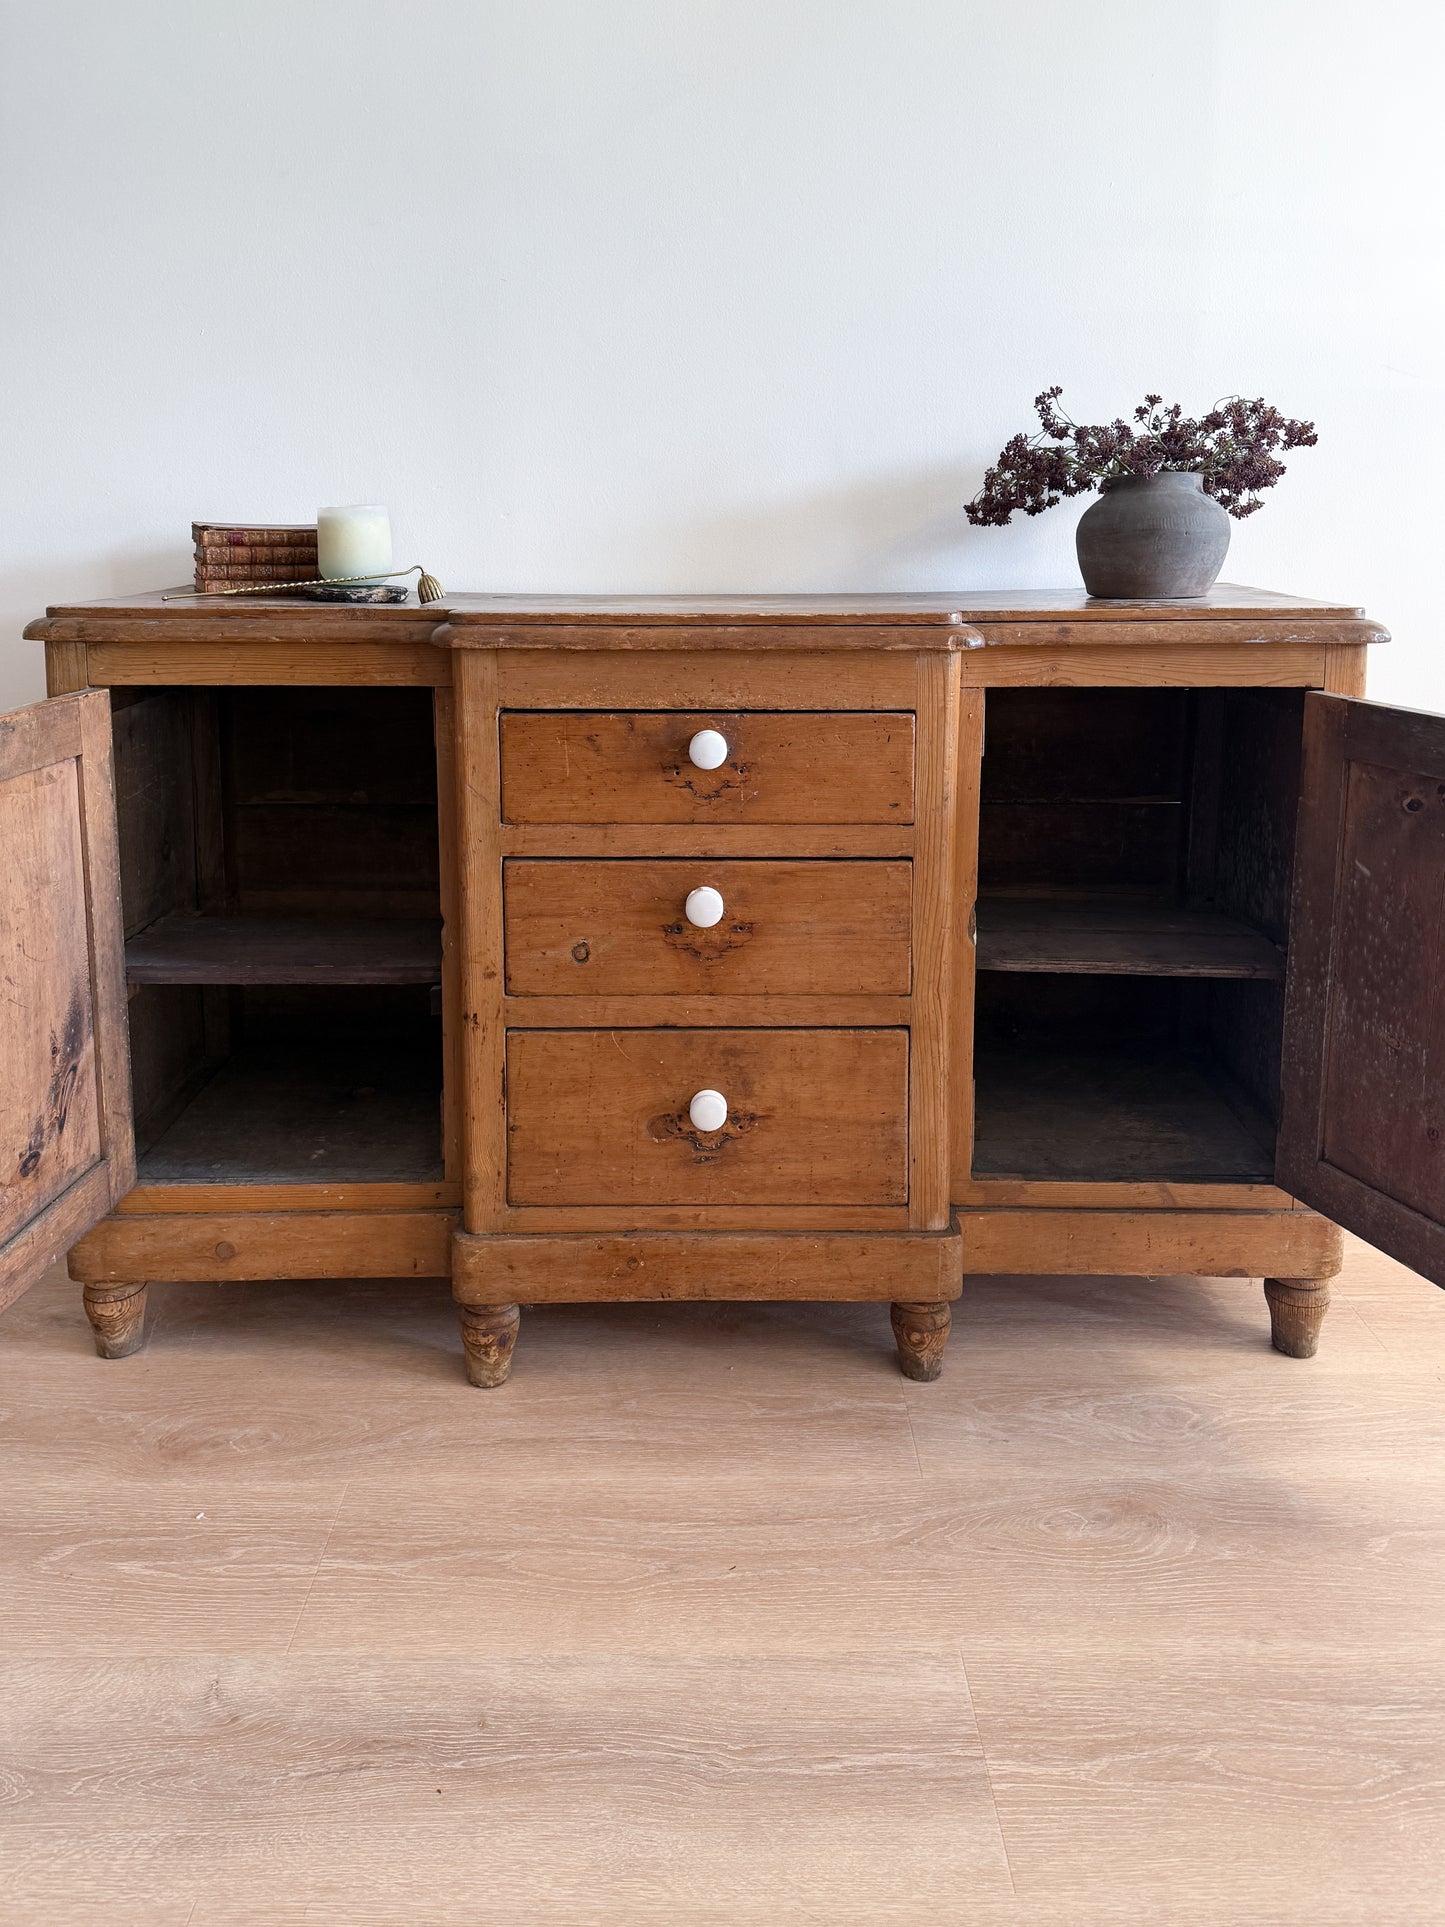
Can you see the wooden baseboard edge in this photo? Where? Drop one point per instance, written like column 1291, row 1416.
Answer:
column 1205, row 1244
column 914, row 1267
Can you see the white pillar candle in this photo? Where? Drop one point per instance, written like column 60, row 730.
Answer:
column 353, row 541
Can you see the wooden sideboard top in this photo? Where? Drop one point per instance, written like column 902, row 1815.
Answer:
column 933, row 608
column 938, row 608
column 973, row 619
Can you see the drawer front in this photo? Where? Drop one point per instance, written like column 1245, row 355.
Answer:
column 803, row 929
column 590, row 766
column 602, row 1117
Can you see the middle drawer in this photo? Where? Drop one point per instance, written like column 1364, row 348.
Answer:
column 606, row 927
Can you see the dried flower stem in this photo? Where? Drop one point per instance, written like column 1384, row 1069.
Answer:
column 1232, row 447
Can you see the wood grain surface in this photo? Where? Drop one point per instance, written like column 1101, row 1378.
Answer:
column 1125, row 1619
column 580, row 766
column 585, row 1268
column 49, row 1101
column 180, row 949
column 815, row 1117
column 1120, row 938
column 927, row 607
column 682, row 677
column 249, row 1242
column 66, row 1135
column 1363, row 1133
column 1150, row 661
column 794, row 929
column 1111, row 1115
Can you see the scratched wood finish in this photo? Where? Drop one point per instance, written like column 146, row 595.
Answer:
column 1215, row 1244
column 66, row 669
column 147, row 1200
column 633, row 767
column 1120, row 938
column 530, row 1220
column 756, row 639
column 1363, row 1130
column 1101, row 1110
column 1297, row 1307
column 601, row 1117
column 181, row 949
column 65, row 1113
column 49, row 1100
column 572, row 1269
column 351, row 1109
column 482, row 966
column 798, row 929
column 1157, row 1194
column 968, row 782
column 218, row 661
column 210, row 1245
column 928, row 607
column 444, row 726
column 1151, row 663
column 1136, row 631
column 726, row 679
column 117, row 1315
column 702, row 1007
column 738, row 840
column 1346, row 668
column 931, row 1006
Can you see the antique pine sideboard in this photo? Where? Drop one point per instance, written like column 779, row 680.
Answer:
column 773, row 947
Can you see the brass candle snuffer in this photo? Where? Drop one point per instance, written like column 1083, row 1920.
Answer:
column 428, row 589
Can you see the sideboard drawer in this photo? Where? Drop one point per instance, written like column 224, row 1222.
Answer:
column 600, row 928
column 591, row 766
column 603, row 1117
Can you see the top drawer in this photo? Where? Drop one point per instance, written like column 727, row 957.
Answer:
column 597, row 766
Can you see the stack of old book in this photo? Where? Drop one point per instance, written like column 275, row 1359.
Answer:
column 238, row 555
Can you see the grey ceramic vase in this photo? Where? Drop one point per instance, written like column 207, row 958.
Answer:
column 1152, row 535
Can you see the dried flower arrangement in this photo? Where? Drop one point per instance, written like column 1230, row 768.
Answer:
column 1232, row 448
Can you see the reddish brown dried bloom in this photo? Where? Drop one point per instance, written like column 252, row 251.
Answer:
column 1232, row 447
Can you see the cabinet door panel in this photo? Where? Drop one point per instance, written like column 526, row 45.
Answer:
column 65, row 1127
column 1362, row 1136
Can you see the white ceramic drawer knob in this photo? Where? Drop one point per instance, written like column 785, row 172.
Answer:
column 708, row 1111
column 704, row 907
column 708, row 749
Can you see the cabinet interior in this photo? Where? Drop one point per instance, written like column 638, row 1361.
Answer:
column 280, row 889
column 1135, row 859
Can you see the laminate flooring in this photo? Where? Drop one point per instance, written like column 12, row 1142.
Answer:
column 709, row 1617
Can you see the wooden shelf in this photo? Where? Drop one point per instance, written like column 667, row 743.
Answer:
column 1114, row 1116
column 184, row 949
column 1114, row 937
column 284, row 1116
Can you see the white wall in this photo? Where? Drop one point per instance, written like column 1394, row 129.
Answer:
column 707, row 294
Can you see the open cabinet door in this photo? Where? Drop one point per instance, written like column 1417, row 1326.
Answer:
column 66, row 1140
column 1362, row 1130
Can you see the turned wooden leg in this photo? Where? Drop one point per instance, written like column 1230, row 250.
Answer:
column 489, row 1333
column 117, row 1315
column 1297, row 1308
column 922, row 1332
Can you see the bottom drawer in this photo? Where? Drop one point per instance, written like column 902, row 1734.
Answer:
column 601, row 1117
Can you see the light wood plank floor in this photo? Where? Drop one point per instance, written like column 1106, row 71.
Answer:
column 709, row 1617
